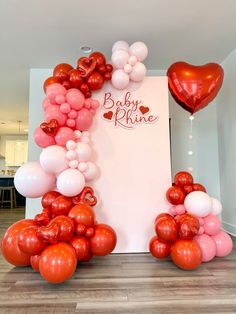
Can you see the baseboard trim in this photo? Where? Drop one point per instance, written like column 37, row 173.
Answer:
column 231, row 229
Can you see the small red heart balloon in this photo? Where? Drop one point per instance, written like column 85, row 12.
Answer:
column 194, row 87
column 50, row 128
column 86, row 66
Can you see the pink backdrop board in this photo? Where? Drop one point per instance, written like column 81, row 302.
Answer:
column 132, row 149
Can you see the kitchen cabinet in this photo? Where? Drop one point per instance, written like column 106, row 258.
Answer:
column 16, row 153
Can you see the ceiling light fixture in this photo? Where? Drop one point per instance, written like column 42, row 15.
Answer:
column 86, row 49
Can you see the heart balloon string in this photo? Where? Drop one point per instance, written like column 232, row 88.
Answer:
column 190, row 145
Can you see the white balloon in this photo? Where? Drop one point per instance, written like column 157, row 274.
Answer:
column 32, row 181
column 216, row 208
column 198, row 203
column 120, row 45
column 120, row 79
column 138, row 72
column 139, row 50
column 53, row 159
column 70, row 182
column 119, row 59
column 91, row 172
column 84, row 151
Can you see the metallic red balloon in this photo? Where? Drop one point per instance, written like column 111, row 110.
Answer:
column 61, row 71
column 34, row 261
column 158, row 248
column 188, row 189
column 29, row 242
column 188, row 226
column 194, row 87
column 75, row 79
column 162, row 215
column 95, row 81
column 166, row 229
column 98, row 57
column 183, row 178
column 82, row 214
column 199, row 187
column 48, row 198
column 44, row 217
column 175, row 195
column 50, row 80
column 104, row 240
column 61, row 206
column 81, row 246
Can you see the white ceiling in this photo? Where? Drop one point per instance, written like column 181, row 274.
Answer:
column 40, row 34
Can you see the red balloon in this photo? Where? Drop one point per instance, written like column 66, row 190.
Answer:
column 61, row 71
column 107, row 76
column 104, row 240
column 82, row 214
column 34, row 261
column 81, row 246
column 44, row 217
column 48, row 198
column 9, row 245
column 166, row 229
column 95, row 81
column 175, row 195
column 98, row 57
column 186, row 254
column 198, row 187
column 80, row 229
column 29, row 242
column 75, row 79
column 88, row 257
column 66, row 84
column 86, row 66
column 188, row 226
column 194, row 87
column 49, row 81
column 162, row 215
column 158, row 248
column 183, row 178
column 58, row 262
column 188, row 189
column 89, row 232
column 101, row 69
column 109, row 68
column 61, row 205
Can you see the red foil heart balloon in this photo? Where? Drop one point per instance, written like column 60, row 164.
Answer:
column 86, row 66
column 50, row 128
column 194, row 87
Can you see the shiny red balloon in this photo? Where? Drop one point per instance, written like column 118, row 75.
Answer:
column 104, row 240
column 82, row 214
column 175, row 195
column 49, row 81
column 199, row 187
column 48, row 198
column 98, row 57
column 58, row 262
column 61, row 205
column 80, row 229
column 34, row 261
column 75, row 79
column 61, row 71
column 188, row 189
column 186, row 254
column 158, row 248
column 9, row 245
column 166, row 229
column 162, row 215
column 95, row 81
column 188, row 226
column 29, row 242
column 81, row 246
column 183, row 178
column 44, row 217
column 194, row 87
column 89, row 232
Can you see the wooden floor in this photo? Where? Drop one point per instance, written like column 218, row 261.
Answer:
column 121, row 283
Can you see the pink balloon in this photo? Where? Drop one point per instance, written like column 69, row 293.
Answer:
column 224, row 243
column 54, row 112
column 91, row 171
column 120, row 79
column 65, row 107
column 53, row 159
column 94, row 103
column 42, row 139
column 84, row 120
column 211, row 225
column 119, row 59
column 70, row 123
column 72, row 114
column 180, row 209
column 139, row 50
column 201, row 230
column 46, row 103
column 54, row 90
column 32, row 181
column 207, row 245
column 172, row 210
column 120, row 45
column 75, row 98
column 63, row 135
column 70, row 182
column 138, row 72
column 60, row 99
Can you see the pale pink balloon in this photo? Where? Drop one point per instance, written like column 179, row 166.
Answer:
column 119, row 58
column 201, row 230
column 94, row 103
column 139, row 50
column 54, row 90
column 224, row 243
column 84, row 151
column 172, row 210
column 128, row 68
column 180, row 209
column 138, row 72
column 70, row 182
column 91, row 171
column 54, row 112
column 120, row 45
column 65, row 107
column 120, row 79
column 201, row 221
column 46, row 103
column 71, row 155
column 75, row 98
column 87, row 103
column 32, row 181
column 211, row 225
column 73, row 164
column 207, row 246
column 53, row 159
column 84, row 120
column 70, row 145
column 63, row 135
column 60, row 99
column 72, row 114
column 132, row 60
column 42, row 139
column 70, row 123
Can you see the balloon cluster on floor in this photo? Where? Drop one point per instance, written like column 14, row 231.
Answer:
column 191, row 232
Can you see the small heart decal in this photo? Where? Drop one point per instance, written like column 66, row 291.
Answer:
column 143, row 109
column 108, row 115
column 50, row 128
column 86, row 66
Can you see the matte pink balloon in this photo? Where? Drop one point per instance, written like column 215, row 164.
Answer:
column 54, row 112
column 70, row 182
column 42, row 139
column 138, row 72
column 75, row 98
column 180, row 209
column 63, row 135
column 224, row 243
column 207, row 245
column 60, row 99
column 54, row 90
column 120, row 79
column 53, row 159
column 46, row 103
column 84, row 120
column 119, row 59
column 65, row 107
column 211, row 225
column 139, row 50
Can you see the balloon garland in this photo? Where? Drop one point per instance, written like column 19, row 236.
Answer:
column 190, row 233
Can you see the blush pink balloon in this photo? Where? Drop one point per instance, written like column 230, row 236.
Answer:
column 54, row 112
column 54, row 90
column 180, row 209
column 91, row 171
column 70, row 123
column 120, row 79
column 70, row 182
column 63, row 135
column 65, row 107
column 94, row 103
column 172, row 210
column 42, row 139
column 46, row 103
column 211, row 225
column 53, row 159
column 60, row 99
column 224, row 243
column 72, row 114
column 138, row 72
column 84, row 120
column 139, row 50
column 207, row 246
column 201, row 230
column 119, row 59
column 75, row 98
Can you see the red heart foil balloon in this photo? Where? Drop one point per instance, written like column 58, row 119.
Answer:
column 86, row 196
column 50, row 128
column 194, row 87
column 86, row 66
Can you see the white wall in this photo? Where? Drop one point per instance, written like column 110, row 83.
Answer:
column 226, row 113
